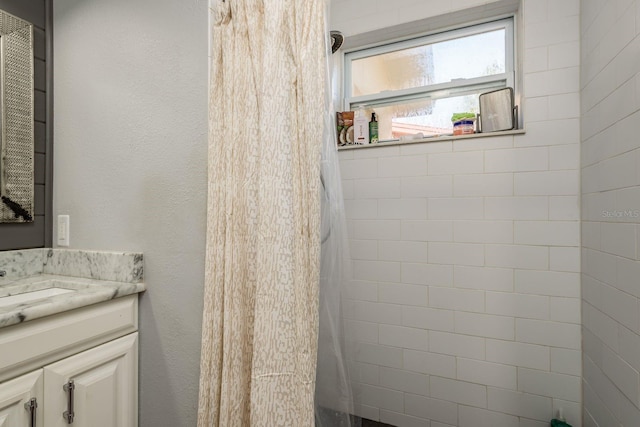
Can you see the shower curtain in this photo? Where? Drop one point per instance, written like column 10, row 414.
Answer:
column 334, row 395
column 266, row 115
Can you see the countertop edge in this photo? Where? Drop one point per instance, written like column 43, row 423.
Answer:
column 93, row 292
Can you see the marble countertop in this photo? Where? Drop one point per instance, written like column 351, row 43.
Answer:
column 74, row 279
column 82, row 292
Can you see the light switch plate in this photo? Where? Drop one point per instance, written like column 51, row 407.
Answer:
column 63, row 230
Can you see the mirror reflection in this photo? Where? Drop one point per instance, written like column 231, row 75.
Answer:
column 16, row 119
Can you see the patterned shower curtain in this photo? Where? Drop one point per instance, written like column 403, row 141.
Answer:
column 266, row 107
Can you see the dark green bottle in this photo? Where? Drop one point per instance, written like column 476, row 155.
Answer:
column 373, row 129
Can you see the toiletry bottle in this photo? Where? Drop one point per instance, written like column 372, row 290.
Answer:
column 373, row 129
column 361, row 125
column 560, row 421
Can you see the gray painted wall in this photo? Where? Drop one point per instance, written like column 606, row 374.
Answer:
column 130, row 169
column 33, row 235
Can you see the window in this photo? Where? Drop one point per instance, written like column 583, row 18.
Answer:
column 416, row 85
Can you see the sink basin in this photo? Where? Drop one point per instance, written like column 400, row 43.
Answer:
column 32, row 296
column 37, row 290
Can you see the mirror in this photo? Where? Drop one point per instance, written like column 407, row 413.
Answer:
column 497, row 112
column 16, row 119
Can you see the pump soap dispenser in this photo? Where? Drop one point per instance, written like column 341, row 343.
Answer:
column 373, row 129
column 560, row 421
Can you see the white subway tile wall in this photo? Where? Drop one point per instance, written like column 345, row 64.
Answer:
column 610, row 161
column 466, row 254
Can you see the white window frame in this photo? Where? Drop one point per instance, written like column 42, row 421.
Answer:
column 440, row 90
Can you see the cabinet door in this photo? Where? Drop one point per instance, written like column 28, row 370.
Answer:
column 14, row 394
column 106, row 386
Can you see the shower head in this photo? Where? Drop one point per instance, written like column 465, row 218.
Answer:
column 336, row 41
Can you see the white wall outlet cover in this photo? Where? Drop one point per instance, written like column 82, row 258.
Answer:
column 63, row 230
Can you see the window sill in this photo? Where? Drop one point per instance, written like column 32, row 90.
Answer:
column 434, row 139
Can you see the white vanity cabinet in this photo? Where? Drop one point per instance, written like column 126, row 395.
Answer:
column 16, row 398
column 100, row 382
column 81, row 366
